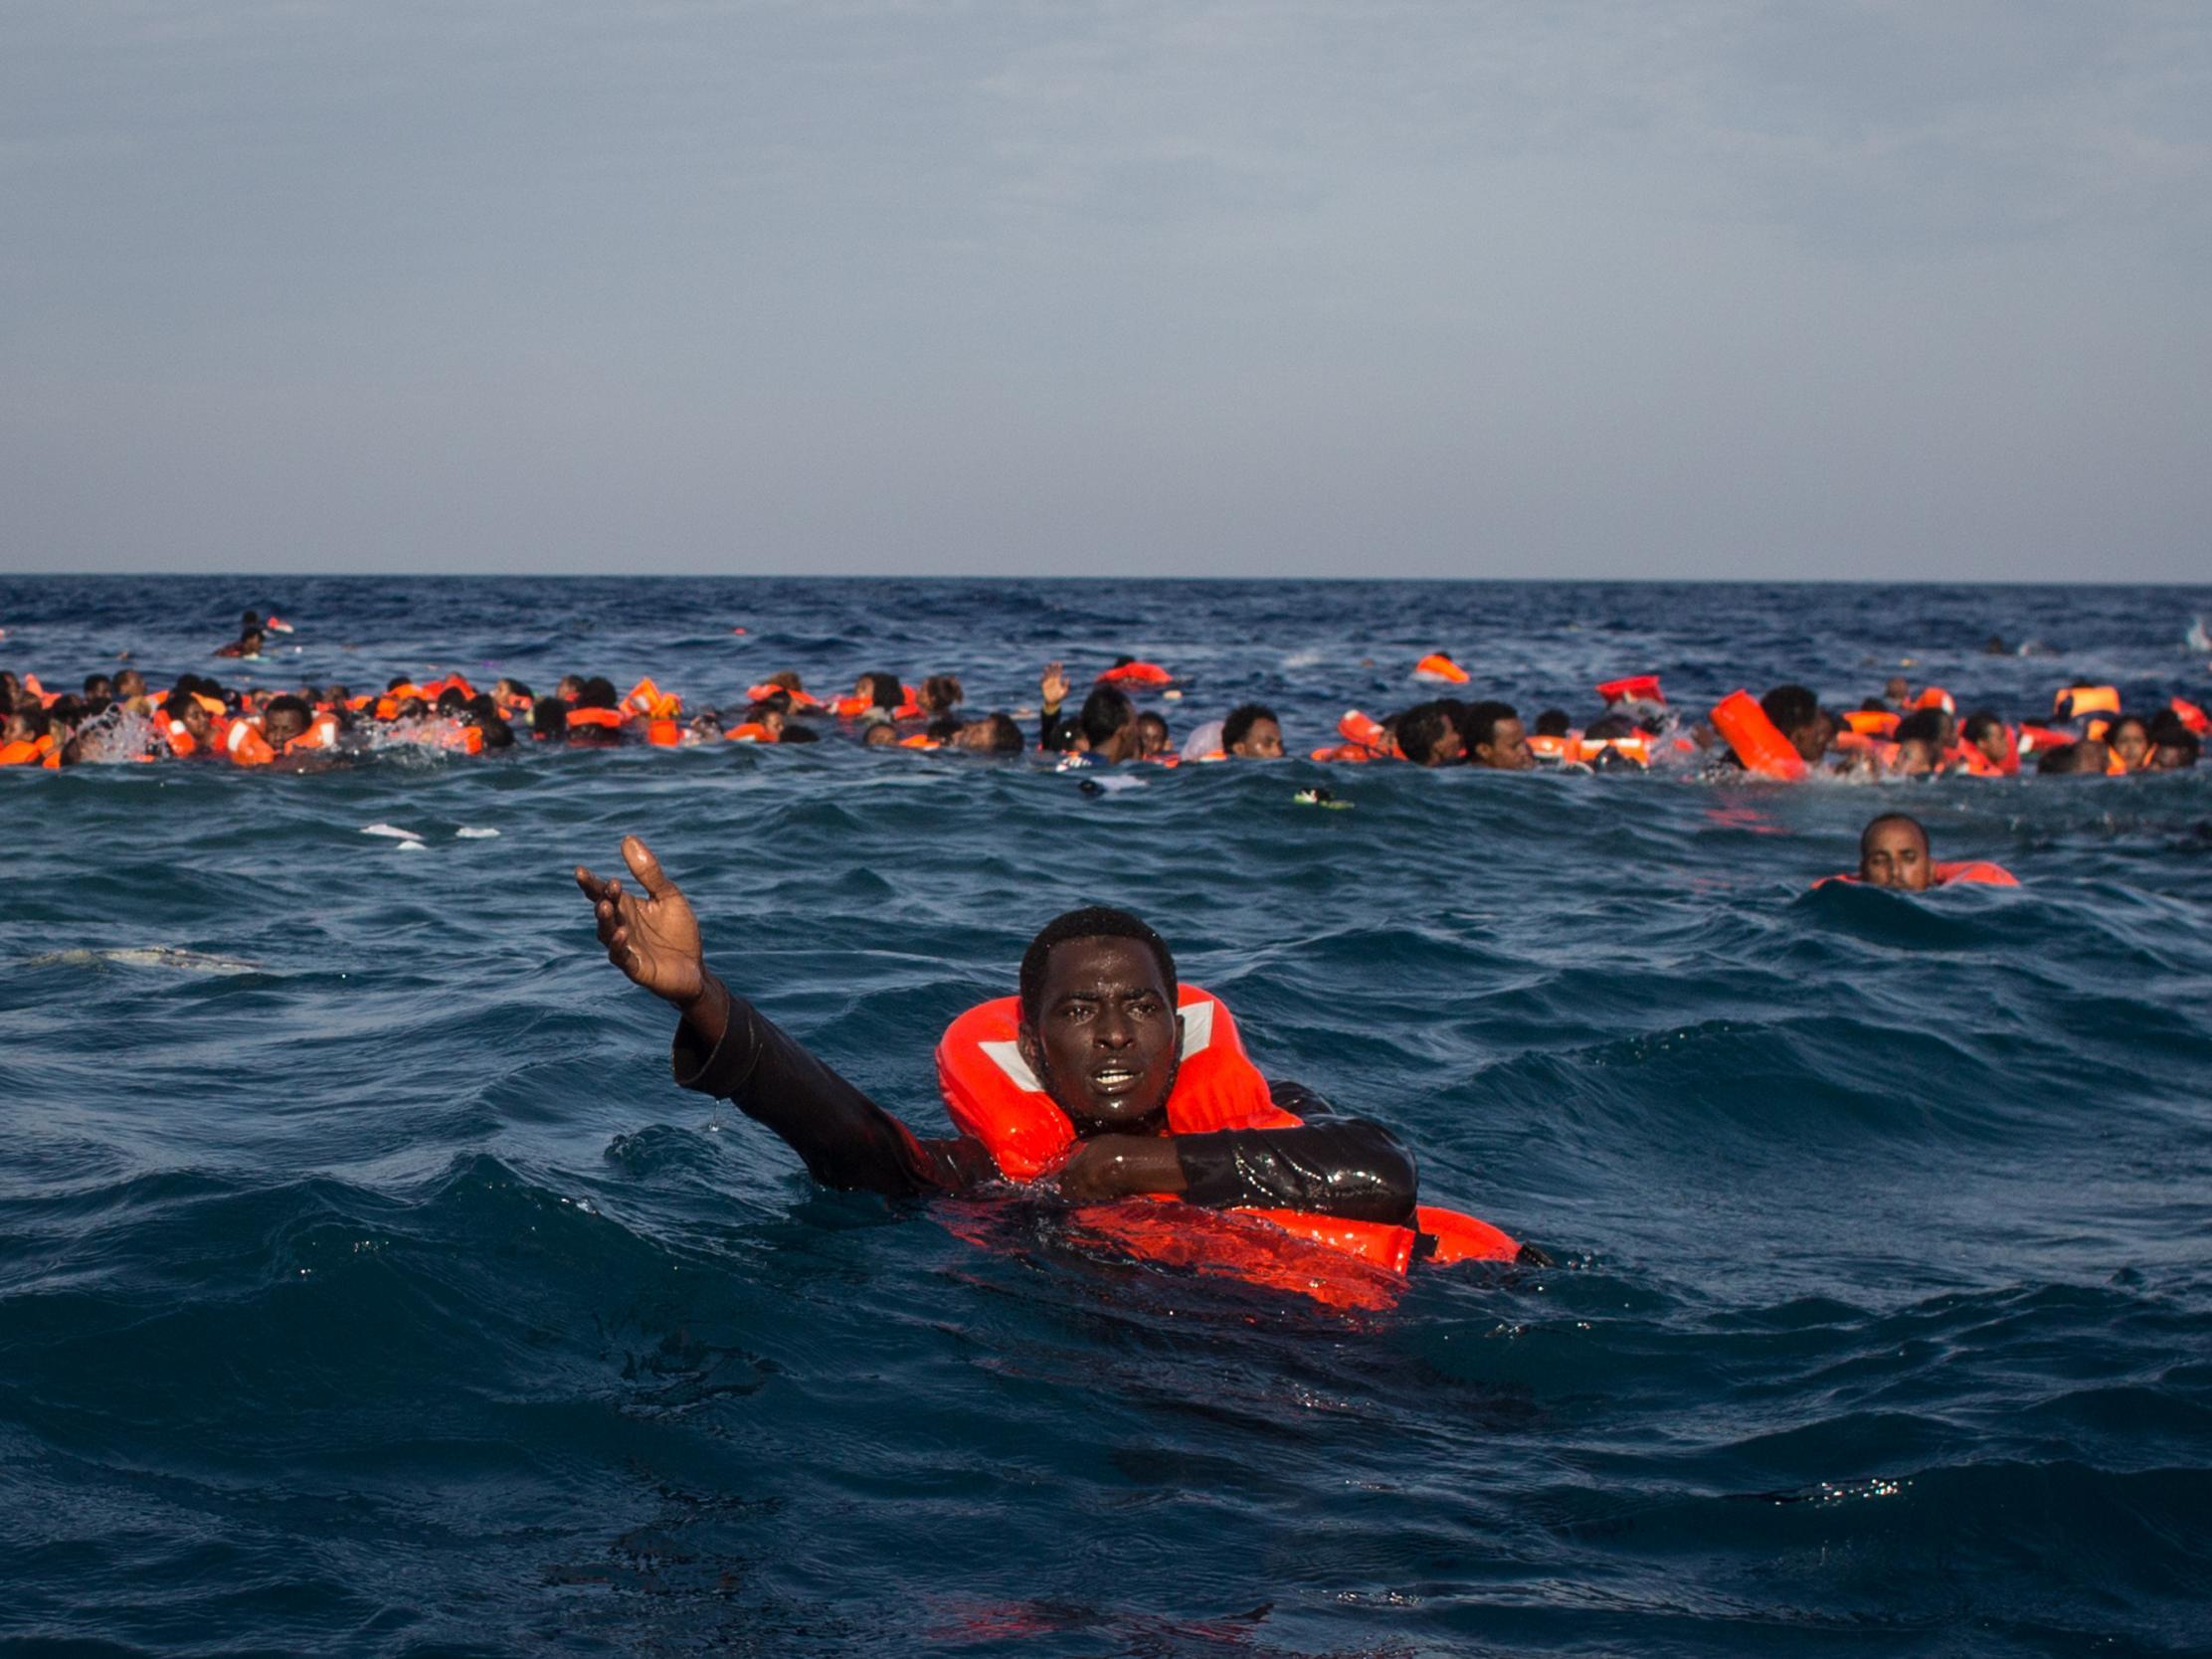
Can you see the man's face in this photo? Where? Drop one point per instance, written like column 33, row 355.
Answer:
column 1263, row 740
column 1812, row 740
column 2172, row 757
column 1508, row 747
column 976, row 734
column 282, row 726
column 2131, row 742
column 1915, row 759
column 1996, row 745
column 1896, row 855
column 1107, row 1038
column 17, row 730
column 1447, row 750
column 1151, row 738
column 196, row 720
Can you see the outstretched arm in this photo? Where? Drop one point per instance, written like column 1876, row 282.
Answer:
column 726, row 1048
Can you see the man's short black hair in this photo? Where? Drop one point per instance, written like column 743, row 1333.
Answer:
column 1553, row 722
column 1105, row 711
column 1977, row 725
column 290, row 704
column 1097, row 921
column 885, row 690
column 1239, row 726
column 394, row 682
column 1480, row 723
column 1418, row 728
column 176, row 702
column 598, row 692
column 1006, row 736
column 549, row 718
column 1790, row 707
column 1866, row 836
column 1923, row 724
column 2186, row 741
column 97, row 685
column 2066, row 758
column 40, row 724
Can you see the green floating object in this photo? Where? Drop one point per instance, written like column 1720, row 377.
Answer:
column 1320, row 798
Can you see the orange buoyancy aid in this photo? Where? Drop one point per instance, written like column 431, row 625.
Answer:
column 799, row 700
column 1636, row 688
column 1632, row 746
column 752, row 731
column 1934, row 697
column 1556, row 750
column 1968, row 757
column 1962, row 872
column 1128, row 674
column 853, row 707
column 1438, row 669
column 1364, row 739
column 181, row 742
column 992, row 1095
column 244, row 743
column 2037, row 739
column 648, row 701
column 1762, row 748
column 1865, row 722
column 2191, row 716
column 433, row 689
column 920, row 740
column 32, row 751
column 609, row 720
column 2071, row 702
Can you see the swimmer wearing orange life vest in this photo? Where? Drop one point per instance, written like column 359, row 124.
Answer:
column 1894, row 853
column 1094, row 1081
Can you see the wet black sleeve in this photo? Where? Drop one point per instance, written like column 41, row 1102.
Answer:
column 1330, row 1166
column 845, row 1139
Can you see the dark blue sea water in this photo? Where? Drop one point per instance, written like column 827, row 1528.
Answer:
column 367, row 1287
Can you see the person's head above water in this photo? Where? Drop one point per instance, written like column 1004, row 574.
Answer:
column 1494, row 738
column 1797, row 713
column 1893, row 853
column 1152, row 735
column 1109, row 722
column 1098, row 1025
column 1428, row 736
column 1251, row 732
column 285, row 718
column 2129, row 738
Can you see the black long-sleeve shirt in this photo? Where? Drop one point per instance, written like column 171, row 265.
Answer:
column 1337, row 1165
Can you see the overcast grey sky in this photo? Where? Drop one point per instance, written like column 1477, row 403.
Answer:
column 1415, row 287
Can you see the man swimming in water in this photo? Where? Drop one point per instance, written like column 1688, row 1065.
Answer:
column 1893, row 853
column 1098, row 1028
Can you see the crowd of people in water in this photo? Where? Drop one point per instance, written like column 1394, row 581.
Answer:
column 1121, row 717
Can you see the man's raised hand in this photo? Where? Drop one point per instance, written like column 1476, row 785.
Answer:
column 654, row 939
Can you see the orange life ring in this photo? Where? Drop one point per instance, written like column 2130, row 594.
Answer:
column 1758, row 744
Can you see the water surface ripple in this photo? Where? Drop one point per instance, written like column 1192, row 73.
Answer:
column 366, row 1287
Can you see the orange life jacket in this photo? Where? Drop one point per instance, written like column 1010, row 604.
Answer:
column 1635, row 745
column 32, row 751
column 853, row 707
column 1129, row 674
column 1934, row 697
column 432, row 690
column 993, row 1096
column 608, row 719
column 1976, row 764
column 244, row 743
column 1438, row 669
column 920, row 740
column 181, row 742
column 649, row 702
column 1965, row 872
column 1553, row 751
column 2191, row 716
column 752, row 731
column 799, row 700
column 1363, row 740
column 1636, row 688
column 2071, row 702
column 1763, row 749
column 1866, row 722
column 2035, row 739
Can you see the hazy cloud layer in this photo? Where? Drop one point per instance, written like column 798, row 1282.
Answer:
column 1417, row 289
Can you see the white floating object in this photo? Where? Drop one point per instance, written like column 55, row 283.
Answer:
column 475, row 832
column 391, row 830
column 410, row 846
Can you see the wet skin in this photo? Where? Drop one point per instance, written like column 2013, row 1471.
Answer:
column 1508, row 747
column 1263, row 740
column 1896, row 855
